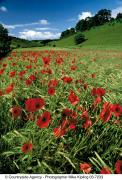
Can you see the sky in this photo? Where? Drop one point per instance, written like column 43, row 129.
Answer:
column 46, row 19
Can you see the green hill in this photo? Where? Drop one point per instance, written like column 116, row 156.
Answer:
column 102, row 36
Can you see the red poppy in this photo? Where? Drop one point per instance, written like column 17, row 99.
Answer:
column 106, row 113
column 58, row 132
column 73, row 68
column 87, row 124
column 44, row 120
column 85, row 86
column 26, row 147
column 32, row 77
column 97, row 100
column 105, row 170
column 117, row 109
column 53, row 83
column 12, row 74
column 59, row 60
column 28, row 67
column 118, row 166
column 85, row 115
column 9, row 88
column 34, row 104
column 85, row 167
column 73, row 98
column 93, row 75
column 51, row 91
column 98, row 92
column 46, row 60
column 67, row 79
column 16, row 111
column 72, row 126
column 28, row 82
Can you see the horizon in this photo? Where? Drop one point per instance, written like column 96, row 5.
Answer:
column 41, row 20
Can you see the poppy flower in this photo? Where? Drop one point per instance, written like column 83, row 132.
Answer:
column 98, row 92
column 117, row 109
column 106, row 113
column 34, row 104
column 28, row 82
column 73, row 98
column 87, row 124
column 32, row 77
column 59, row 60
column 67, row 79
column 85, row 167
column 12, row 74
column 16, row 111
column 10, row 88
column 105, row 170
column 44, row 120
column 53, row 83
column 26, row 147
column 46, row 60
column 97, row 100
column 85, row 86
column 85, row 115
column 58, row 132
column 93, row 75
column 51, row 91
column 118, row 166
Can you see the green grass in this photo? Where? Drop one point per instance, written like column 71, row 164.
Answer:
column 107, row 36
column 100, row 144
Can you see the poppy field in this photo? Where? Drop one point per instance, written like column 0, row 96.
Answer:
column 61, row 112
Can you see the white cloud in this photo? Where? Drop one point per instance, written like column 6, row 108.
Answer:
column 116, row 11
column 46, row 28
column 13, row 26
column 3, row 9
column 44, row 22
column 84, row 15
column 33, row 35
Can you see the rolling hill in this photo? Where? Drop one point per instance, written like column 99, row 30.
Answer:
column 108, row 35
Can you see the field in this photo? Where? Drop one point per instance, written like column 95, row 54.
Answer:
column 61, row 111
column 106, row 36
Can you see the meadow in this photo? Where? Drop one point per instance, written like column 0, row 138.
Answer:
column 61, row 111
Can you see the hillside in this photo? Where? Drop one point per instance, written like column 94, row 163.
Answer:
column 106, row 35
column 23, row 43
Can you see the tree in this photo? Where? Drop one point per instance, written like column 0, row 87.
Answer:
column 119, row 16
column 102, row 17
column 5, row 41
column 79, row 38
column 68, row 32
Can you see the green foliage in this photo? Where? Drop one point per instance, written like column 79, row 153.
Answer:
column 4, row 41
column 67, row 33
column 100, row 145
column 79, row 38
column 105, row 36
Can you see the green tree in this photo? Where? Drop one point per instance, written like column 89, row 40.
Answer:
column 5, row 41
column 119, row 16
column 79, row 38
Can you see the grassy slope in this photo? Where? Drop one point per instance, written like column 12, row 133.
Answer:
column 106, row 35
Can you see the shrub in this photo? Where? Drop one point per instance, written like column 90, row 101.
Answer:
column 5, row 41
column 79, row 38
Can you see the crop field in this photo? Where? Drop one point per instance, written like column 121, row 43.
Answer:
column 61, row 111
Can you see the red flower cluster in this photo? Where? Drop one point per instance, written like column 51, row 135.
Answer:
column 87, row 120
column 73, row 98
column 34, row 104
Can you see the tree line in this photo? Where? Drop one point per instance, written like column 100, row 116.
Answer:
column 103, row 16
